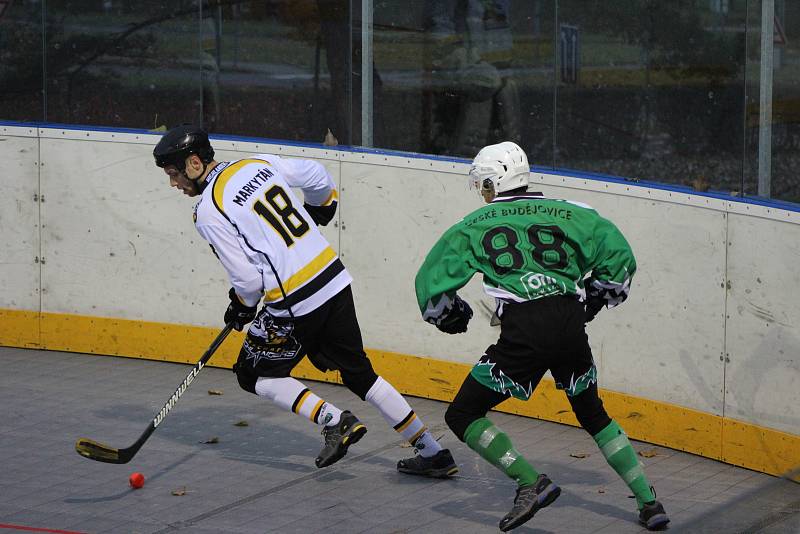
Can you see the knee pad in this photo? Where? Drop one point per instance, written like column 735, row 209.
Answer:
column 589, row 410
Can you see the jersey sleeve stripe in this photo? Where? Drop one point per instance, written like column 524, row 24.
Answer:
column 309, row 271
column 333, row 197
column 226, row 175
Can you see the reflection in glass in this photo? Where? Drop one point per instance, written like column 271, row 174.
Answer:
column 783, row 182
column 284, row 69
column 134, row 64
column 650, row 91
column 21, row 73
column 653, row 100
column 459, row 74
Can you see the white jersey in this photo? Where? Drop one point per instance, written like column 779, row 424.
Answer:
column 265, row 239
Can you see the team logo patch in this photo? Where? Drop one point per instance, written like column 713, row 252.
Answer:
column 538, row 285
column 269, row 340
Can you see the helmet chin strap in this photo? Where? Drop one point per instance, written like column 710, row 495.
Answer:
column 199, row 183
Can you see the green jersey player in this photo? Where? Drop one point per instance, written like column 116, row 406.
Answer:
column 551, row 265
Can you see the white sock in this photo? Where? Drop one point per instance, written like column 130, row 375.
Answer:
column 293, row 395
column 401, row 417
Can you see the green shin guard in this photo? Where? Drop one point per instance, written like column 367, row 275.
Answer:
column 620, row 455
column 494, row 446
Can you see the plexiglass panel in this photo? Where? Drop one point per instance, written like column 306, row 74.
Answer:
column 656, row 94
column 456, row 75
column 21, row 65
column 132, row 64
column 683, row 93
column 772, row 151
column 282, row 70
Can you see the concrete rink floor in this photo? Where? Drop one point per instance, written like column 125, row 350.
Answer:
column 261, row 477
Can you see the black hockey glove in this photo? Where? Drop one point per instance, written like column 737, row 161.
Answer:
column 321, row 215
column 593, row 307
column 456, row 321
column 237, row 313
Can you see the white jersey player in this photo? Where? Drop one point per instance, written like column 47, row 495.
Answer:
column 267, row 240
column 250, row 215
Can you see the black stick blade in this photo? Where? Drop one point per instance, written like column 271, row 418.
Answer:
column 99, row 452
column 91, row 449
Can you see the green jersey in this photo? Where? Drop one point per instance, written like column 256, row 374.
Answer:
column 527, row 247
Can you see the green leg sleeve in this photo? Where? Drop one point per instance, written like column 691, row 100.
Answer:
column 494, row 446
column 620, row 455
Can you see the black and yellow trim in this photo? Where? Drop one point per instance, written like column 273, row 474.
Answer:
column 218, row 190
column 332, row 198
column 315, row 412
column 301, row 398
column 303, row 275
column 311, row 288
column 407, row 420
column 415, row 437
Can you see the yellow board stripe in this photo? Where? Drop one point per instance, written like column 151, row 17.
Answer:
column 720, row 438
column 299, row 402
column 302, row 276
column 226, row 175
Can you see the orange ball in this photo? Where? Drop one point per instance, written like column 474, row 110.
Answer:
column 136, row 480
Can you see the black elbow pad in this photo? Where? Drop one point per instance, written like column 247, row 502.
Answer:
column 321, row 215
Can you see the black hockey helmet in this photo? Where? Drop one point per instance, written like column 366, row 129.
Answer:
column 179, row 143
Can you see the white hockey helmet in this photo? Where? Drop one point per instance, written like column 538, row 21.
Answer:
column 504, row 166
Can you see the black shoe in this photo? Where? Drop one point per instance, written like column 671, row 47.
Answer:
column 440, row 465
column 529, row 500
column 653, row 516
column 339, row 437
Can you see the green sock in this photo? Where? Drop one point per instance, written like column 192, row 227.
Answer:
column 620, row 455
column 494, row 446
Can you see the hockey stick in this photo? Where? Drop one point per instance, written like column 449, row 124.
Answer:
column 103, row 453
